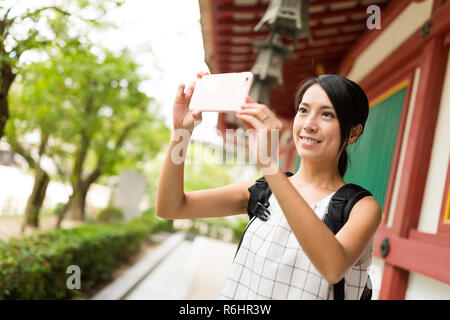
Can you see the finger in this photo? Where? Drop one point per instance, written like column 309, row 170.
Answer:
column 252, row 105
column 255, row 107
column 246, row 124
column 248, row 99
column 251, row 120
column 201, row 74
column 197, row 115
column 253, row 111
column 180, row 90
column 190, row 89
column 258, row 113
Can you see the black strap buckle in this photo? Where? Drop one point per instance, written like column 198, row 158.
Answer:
column 261, row 211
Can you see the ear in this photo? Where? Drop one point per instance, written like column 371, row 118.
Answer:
column 354, row 133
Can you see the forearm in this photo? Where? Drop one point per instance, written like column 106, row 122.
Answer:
column 170, row 190
column 318, row 242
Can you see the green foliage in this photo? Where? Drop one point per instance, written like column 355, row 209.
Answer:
column 57, row 208
column 110, row 214
column 218, row 228
column 198, row 175
column 40, row 26
column 85, row 108
column 238, row 228
column 86, row 103
column 207, row 173
column 35, row 267
column 150, row 212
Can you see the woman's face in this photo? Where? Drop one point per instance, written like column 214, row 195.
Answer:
column 316, row 128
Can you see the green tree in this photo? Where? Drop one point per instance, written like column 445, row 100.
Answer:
column 91, row 116
column 36, row 28
column 203, row 169
column 113, row 124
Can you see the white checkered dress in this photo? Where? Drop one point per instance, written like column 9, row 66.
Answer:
column 271, row 264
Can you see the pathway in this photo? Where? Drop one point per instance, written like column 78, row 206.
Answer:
column 179, row 269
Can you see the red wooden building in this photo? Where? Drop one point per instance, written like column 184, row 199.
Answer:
column 405, row 71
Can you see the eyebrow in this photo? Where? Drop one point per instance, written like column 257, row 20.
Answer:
column 321, row 107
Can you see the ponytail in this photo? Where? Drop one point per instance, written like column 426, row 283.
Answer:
column 342, row 164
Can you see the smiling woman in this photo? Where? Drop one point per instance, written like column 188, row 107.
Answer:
column 343, row 105
column 291, row 254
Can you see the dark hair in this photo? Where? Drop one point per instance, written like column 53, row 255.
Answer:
column 349, row 101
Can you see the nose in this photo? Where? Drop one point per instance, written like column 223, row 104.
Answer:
column 310, row 124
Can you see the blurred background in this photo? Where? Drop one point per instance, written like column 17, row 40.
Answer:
column 86, row 94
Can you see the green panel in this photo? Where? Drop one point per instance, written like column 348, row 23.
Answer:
column 281, row 162
column 371, row 157
column 297, row 164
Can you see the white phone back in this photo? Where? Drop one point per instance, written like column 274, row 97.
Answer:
column 221, row 92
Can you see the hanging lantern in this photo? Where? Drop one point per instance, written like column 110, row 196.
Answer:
column 282, row 18
column 270, row 59
column 261, row 91
column 288, row 18
column 268, row 68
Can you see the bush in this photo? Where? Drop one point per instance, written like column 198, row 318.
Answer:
column 35, row 267
column 150, row 212
column 58, row 208
column 238, row 229
column 219, row 228
column 110, row 214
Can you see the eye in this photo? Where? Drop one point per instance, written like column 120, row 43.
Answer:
column 301, row 110
column 328, row 114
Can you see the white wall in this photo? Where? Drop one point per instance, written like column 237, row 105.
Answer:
column 440, row 154
column 421, row 287
column 391, row 37
column 376, row 276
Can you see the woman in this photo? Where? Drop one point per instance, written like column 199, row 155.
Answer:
column 297, row 257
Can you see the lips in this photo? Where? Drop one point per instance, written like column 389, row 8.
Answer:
column 309, row 140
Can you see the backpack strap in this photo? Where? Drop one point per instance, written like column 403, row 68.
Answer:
column 258, row 202
column 339, row 209
column 341, row 205
column 259, row 198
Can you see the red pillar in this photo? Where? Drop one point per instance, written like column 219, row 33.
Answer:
column 417, row 158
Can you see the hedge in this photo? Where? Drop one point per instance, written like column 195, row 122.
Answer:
column 35, row 267
column 217, row 228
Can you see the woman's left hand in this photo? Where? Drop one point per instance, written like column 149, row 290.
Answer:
column 264, row 131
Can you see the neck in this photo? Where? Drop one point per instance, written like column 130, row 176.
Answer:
column 318, row 174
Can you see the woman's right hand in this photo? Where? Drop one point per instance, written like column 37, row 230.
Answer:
column 183, row 118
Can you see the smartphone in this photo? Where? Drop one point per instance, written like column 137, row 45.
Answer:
column 221, row 92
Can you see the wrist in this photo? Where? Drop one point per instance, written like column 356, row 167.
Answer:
column 271, row 168
column 180, row 135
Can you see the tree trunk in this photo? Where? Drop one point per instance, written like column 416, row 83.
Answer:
column 4, row 114
column 62, row 212
column 75, row 207
column 75, row 210
column 7, row 78
column 36, row 199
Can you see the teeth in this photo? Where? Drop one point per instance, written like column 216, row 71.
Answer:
column 310, row 141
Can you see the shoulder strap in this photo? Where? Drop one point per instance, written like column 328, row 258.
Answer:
column 258, row 202
column 341, row 205
column 339, row 209
column 259, row 195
